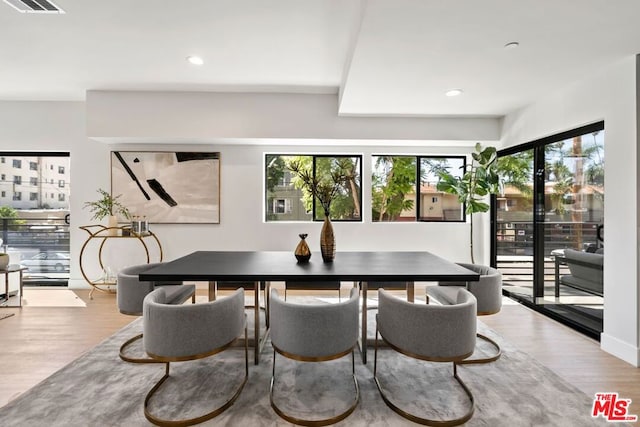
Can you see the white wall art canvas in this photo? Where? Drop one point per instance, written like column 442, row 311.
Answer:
column 168, row 187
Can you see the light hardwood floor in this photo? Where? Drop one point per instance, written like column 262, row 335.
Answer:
column 37, row 341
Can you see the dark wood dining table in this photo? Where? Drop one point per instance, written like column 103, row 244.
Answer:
column 268, row 266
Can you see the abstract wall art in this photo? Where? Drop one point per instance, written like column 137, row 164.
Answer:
column 168, row 187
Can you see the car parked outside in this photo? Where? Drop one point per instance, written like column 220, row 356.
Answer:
column 48, row 261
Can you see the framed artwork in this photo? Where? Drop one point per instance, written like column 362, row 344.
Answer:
column 168, row 187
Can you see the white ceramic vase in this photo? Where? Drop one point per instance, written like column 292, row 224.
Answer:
column 113, row 224
column 4, row 261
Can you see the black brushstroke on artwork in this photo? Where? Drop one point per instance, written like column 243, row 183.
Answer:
column 160, row 191
column 186, row 156
column 131, row 174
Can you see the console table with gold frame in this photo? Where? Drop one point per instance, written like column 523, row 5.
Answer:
column 106, row 233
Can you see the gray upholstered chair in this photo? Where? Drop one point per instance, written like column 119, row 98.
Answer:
column 435, row 333
column 131, row 292
column 314, row 333
column 326, row 285
column 488, row 293
column 177, row 333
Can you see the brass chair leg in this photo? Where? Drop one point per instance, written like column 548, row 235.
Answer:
column 321, row 422
column 209, row 415
column 422, row 420
column 489, row 359
column 126, row 344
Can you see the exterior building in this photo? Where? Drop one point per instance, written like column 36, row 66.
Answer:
column 34, row 182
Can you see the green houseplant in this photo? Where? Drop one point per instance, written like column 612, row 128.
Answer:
column 480, row 179
column 107, row 206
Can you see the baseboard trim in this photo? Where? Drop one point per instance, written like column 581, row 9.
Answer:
column 620, row 349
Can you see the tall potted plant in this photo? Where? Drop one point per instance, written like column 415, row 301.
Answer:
column 108, row 206
column 480, row 179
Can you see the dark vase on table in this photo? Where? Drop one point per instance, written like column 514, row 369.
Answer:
column 302, row 252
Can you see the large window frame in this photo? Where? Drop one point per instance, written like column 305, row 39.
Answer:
column 316, row 213
column 420, row 174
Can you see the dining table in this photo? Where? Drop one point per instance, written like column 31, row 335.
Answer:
column 348, row 266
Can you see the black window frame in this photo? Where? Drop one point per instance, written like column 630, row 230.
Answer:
column 315, row 205
column 418, row 159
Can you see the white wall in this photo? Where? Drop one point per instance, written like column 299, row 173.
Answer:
column 610, row 95
column 170, row 116
column 61, row 127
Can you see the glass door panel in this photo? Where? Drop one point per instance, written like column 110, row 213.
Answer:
column 548, row 225
column 574, row 214
column 514, row 224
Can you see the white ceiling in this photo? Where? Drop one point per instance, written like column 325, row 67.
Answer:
column 384, row 57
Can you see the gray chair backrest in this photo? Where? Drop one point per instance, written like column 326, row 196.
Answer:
column 433, row 332
column 131, row 291
column 314, row 330
column 183, row 331
column 487, row 290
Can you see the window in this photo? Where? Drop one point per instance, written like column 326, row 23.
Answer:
column 33, row 166
column 52, row 195
column 17, row 179
column 394, row 186
column 281, row 206
column 286, row 199
column 17, row 195
column 51, row 182
column 3, row 177
column 33, row 196
column 61, row 183
column 33, row 180
column 17, row 163
column 60, row 169
column 2, row 160
column 50, row 167
column 3, row 194
column 434, row 205
column 61, row 197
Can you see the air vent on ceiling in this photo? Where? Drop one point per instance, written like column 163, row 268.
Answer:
column 34, row 6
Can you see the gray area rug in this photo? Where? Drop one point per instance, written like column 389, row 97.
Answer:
column 99, row 389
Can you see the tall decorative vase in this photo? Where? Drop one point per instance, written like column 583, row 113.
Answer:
column 327, row 241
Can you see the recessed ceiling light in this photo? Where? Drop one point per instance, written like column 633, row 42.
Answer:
column 512, row 45
column 195, row 60
column 453, row 92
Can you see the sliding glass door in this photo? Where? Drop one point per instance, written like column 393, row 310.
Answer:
column 551, row 211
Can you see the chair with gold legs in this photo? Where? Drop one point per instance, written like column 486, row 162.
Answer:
column 190, row 332
column 488, row 293
column 314, row 333
column 130, row 295
column 433, row 333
